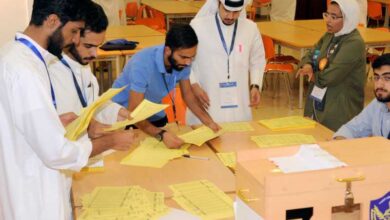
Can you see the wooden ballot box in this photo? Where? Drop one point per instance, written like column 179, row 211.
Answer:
column 272, row 193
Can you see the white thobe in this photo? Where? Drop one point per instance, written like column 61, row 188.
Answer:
column 247, row 62
column 33, row 149
column 66, row 93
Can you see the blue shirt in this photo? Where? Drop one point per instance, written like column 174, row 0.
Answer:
column 144, row 74
column 374, row 120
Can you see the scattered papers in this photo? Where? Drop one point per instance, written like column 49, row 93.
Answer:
column 143, row 111
column 228, row 159
column 237, row 127
column 153, row 153
column 204, row 199
column 200, row 135
column 309, row 157
column 130, row 202
column 288, row 123
column 78, row 126
column 276, row 140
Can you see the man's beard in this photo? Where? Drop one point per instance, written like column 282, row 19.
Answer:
column 55, row 43
column 383, row 99
column 174, row 64
column 76, row 55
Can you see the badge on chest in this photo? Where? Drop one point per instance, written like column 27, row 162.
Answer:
column 229, row 94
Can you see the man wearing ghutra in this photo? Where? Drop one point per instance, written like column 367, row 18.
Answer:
column 230, row 57
column 336, row 68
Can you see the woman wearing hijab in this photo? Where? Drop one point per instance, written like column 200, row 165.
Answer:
column 336, row 68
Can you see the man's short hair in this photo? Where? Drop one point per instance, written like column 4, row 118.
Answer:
column 181, row 36
column 66, row 10
column 382, row 60
column 96, row 20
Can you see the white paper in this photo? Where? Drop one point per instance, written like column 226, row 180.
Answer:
column 177, row 214
column 243, row 212
column 309, row 157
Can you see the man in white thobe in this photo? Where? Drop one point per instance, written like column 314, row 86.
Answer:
column 33, row 150
column 227, row 72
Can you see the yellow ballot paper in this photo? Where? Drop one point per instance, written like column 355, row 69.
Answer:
column 204, row 199
column 78, row 126
column 143, row 111
column 275, row 140
column 200, row 135
column 237, row 127
column 128, row 202
column 288, row 123
column 153, row 153
column 228, row 159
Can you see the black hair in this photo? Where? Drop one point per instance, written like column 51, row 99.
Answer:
column 96, row 20
column 181, row 36
column 66, row 10
column 382, row 60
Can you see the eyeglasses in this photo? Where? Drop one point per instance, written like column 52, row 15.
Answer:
column 385, row 78
column 332, row 17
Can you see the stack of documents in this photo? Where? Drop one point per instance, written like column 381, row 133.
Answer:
column 200, row 135
column 288, row 123
column 309, row 157
column 276, row 140
column 143, row 111
column 237, row 127
column 228, row 159
column 204, row 199
column 130, row 202
column 153, row 153
column 80, row 125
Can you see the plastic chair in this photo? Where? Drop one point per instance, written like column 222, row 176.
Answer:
column 374, row 12
column 278, row 65
column 181, row 107
column 153, row 22
column 131, row 12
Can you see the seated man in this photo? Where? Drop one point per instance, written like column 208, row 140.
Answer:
column 153, row 72
column 374, row 120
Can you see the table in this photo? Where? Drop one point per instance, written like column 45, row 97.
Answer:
column 173, row 9
column 128, row 31
column 386, row 3
column 302, row 35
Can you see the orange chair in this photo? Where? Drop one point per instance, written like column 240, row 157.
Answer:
column 275, row 66
column 179, row 105
column 153, row 22
column 374, row 12
column 131, row 12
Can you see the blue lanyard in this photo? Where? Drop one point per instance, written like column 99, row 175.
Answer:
column 224, row 42
column 76, row 84
column 38, row 54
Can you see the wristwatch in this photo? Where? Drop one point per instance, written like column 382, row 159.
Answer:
column 160, row 135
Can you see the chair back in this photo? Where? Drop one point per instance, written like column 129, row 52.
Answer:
column 131, row 10
column 374, row 10
column 269, row 47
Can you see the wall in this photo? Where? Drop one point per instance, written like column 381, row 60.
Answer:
column 14, row 16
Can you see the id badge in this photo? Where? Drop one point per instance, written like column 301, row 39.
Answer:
column 229, row 94
column 318, row 93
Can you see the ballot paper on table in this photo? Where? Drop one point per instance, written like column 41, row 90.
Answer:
column 288, row 123
column 309, row 157
column 143, row 111
column 78, row 126
column 200, row 135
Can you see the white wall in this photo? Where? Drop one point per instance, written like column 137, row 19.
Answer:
column 14, row 16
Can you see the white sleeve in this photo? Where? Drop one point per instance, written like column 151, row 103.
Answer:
column 257, row 60
column 108, row 113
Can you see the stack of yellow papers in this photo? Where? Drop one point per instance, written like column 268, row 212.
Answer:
column 228, row 159
column 129, row 202
column 200, row 135
column 275, row 140
column 237, row 127
column 153, row 153
column 288, row 123
column 143, row 111
column 204, row 199
column 78, row 126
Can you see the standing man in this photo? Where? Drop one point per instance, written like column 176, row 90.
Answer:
column 228, row 70
column 33, row 150
column 153, row 72
column 374, row 120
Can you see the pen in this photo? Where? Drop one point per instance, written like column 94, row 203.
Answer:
column 195, row 157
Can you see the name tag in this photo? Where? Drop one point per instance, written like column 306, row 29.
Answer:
column 229, row 94
column 318, row 93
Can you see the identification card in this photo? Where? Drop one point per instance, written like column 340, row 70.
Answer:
column 229, row 94
column 318, row 93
